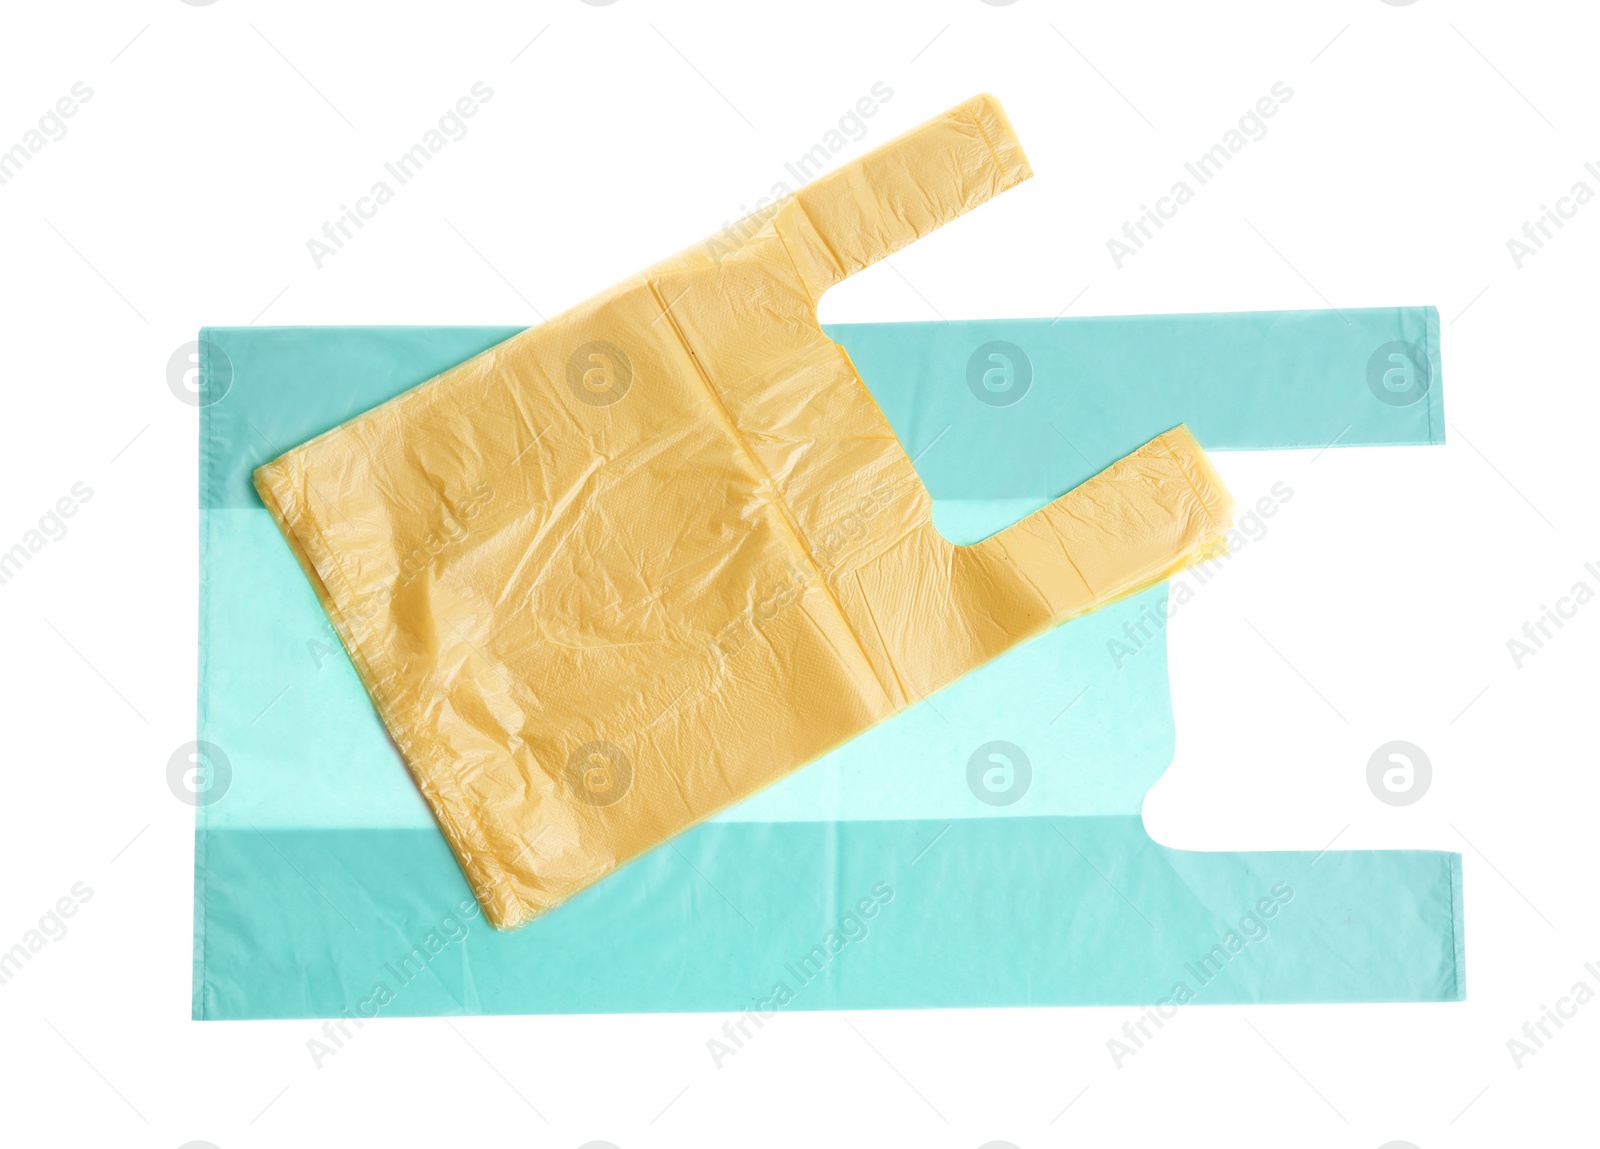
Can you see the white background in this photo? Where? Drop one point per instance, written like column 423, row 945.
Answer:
column 1419, row 139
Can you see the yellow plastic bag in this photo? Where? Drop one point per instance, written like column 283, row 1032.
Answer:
column 628, row 567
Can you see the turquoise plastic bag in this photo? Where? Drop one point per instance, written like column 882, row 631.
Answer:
column 983, row 848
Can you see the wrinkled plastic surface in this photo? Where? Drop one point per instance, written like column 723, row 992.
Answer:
column 644, row 560
column 320, row 873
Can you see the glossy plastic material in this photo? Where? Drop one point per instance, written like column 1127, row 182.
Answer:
column 640, row 562
column 323, row 887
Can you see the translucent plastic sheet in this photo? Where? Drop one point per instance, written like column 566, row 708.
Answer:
column 913, row 867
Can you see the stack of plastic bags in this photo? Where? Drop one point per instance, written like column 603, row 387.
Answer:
column 608, row 585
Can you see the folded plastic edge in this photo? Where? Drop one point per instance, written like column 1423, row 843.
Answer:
column 1458, row 927
column 1010, row 160
column 1193, row 462
column 1435, row 397
column 502, row 904
column 197, row 1002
